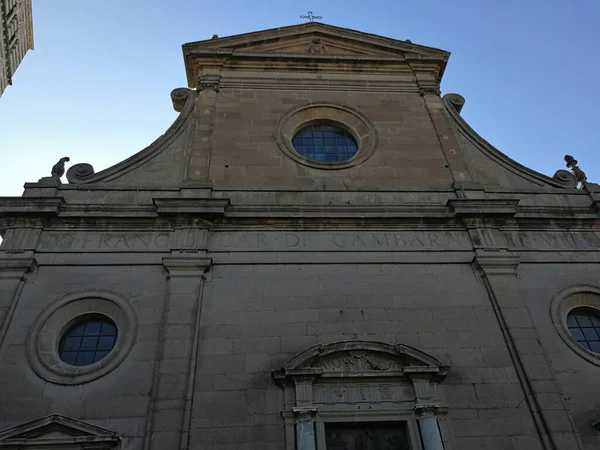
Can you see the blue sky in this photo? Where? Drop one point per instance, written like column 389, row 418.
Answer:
column 97, row 86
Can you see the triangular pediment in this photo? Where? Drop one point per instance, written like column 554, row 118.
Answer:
column 312, row 40
column 58, row 431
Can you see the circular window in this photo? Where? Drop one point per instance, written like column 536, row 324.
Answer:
column 325, row 142
column 88, row 341
column 82, row 337
column 576, row 316
column 326, row 136
column 584, row 326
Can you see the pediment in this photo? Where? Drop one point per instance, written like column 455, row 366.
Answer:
column 311, row 40
column 361, row 358
column 56, row 431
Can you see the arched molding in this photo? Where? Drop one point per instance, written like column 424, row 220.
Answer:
column 47, row 330
column 364, row 357
column 183, row 101
column 575, row 297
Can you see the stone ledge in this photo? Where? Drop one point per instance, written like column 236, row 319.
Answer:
column 483, row 207
column 31, row 205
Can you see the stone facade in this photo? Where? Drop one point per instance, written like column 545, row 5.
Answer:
column 419, row 291
column 16, row 37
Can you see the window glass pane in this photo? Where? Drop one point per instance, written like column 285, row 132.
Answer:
column 594, row 346
column 106, row 343
column 71, row 344
column 571, row 321
column 85, row 358
column 590, row 334
column 89, row 343
column 595, row 320
column 77, row 330
column 93, row 327
column 101, row 355
column 108, row 329
column 577, row 334
column 583, row 320
column 69, row 357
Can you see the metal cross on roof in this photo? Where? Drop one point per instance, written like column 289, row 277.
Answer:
column 311, row 17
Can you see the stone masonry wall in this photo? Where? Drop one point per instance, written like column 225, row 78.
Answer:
column 244, row 151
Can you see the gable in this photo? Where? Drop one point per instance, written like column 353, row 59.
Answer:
column 313, row 40
column 57, row 431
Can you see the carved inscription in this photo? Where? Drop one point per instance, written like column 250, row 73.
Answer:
column 536, row 240
column 340, row 241
column 362, row 393
column 109, row 241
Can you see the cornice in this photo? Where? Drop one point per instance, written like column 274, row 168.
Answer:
column 26, row 206
column 465, row 207
column 197, row 206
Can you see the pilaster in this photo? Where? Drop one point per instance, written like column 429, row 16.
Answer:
column 498, row 268
column 170, row 416
column 204, row 121
column 304, row 418
column 14, row 270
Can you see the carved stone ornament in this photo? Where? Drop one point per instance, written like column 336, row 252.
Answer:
column 58, row 170
column 566, row 178
column 79, row 172
column 577, row 172
column 429, row 90
column 362, row 357
column 457, row 101
column 357, row 361
column 316, row 46
column 209, row 82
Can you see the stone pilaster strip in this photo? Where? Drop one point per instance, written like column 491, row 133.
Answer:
column 170, row 414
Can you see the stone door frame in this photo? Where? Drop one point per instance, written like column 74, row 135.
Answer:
column 402, row 381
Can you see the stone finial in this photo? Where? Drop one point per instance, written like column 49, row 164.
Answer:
column 572, row 164
column 58, row 169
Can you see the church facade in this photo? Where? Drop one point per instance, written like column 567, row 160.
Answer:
column 319, row 254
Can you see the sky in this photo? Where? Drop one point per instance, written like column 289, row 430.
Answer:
column 97, row 86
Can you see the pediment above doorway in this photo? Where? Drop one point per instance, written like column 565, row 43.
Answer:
column 58, row 432
column 361, row 358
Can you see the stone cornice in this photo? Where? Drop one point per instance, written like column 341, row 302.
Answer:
column 464, row 207
column 24, row 206
column 197, row 206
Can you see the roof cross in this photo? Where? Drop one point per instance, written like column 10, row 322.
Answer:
column 311, row 17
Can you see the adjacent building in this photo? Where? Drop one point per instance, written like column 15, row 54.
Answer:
column 16, row 36
column 319, row 254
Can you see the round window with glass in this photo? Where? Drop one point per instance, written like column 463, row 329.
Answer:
column 584, row 327
column 325, row 143
column 88, row 341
